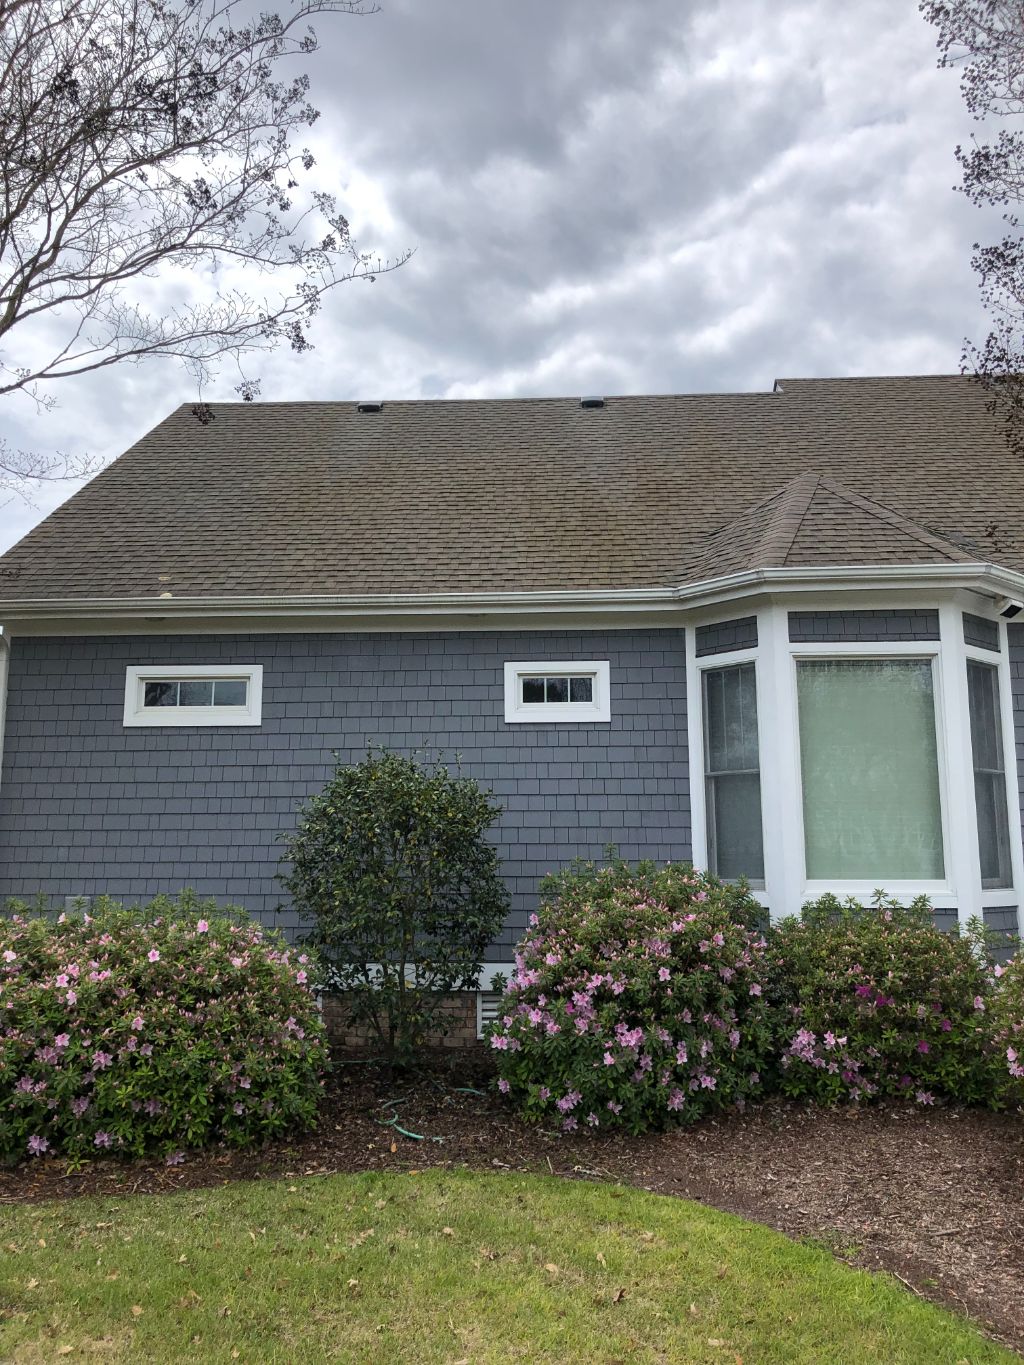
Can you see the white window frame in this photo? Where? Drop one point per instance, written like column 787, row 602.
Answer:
column 598, row 711
column 880, row 651
column 161, row 717
column 712, row 663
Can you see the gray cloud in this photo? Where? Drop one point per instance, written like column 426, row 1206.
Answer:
column 613, row 198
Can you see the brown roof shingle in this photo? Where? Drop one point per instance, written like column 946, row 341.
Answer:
column 535, row 494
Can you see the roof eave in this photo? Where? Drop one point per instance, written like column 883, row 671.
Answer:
column 431, row 610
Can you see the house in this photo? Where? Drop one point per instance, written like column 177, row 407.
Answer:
column 779, row 633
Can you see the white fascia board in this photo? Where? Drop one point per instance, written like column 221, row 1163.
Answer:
column 494, row 610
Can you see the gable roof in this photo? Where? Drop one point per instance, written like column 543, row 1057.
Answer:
column 532, row 495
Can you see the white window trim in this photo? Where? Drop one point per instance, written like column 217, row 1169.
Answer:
column 596, row 712
column 711, row 663
column 136, row 714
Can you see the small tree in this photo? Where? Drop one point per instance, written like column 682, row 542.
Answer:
column 391, row 865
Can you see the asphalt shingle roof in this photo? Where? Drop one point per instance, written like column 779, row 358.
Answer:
column 535, row 494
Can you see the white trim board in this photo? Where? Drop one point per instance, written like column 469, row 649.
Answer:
column 161, row 717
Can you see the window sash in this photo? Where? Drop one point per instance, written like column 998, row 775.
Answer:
column 869, row 767
column 989, row 775
column 732, row 773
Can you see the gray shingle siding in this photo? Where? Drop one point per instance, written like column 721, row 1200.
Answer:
column 88, row 806
column 1015, row 649
column 980, row 633
column 725, row 636
column 840, row 627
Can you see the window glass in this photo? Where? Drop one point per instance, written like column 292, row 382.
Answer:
column 869, row 764
column 557, row 689
column 989, row 774
column 195, row 692
column 732, row 773
column 161, row 694
column 229, row 692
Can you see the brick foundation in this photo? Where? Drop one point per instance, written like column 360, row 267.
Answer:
column 459, row 1009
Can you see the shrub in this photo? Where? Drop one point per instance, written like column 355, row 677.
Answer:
column 391, row 864
column 1007, row 1028
column 636, row 1001
column 875, row 1000
column 151, row 1030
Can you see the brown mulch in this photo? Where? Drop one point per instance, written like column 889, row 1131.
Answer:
column 936, row 1197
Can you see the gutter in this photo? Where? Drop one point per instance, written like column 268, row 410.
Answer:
column 168, row 612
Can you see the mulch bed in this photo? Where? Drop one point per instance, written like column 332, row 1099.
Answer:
column 934, row 1196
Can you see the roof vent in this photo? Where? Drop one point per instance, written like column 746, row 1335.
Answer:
column 369, row 407
column 592, row 402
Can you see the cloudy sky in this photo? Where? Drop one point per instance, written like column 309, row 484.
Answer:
column 612, row 198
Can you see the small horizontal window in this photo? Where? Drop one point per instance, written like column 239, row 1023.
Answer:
column 202, row 695
column 575, row 691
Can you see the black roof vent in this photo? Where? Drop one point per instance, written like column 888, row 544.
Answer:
column 592, row 402
column 369, row 407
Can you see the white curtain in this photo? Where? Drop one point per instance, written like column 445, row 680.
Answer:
column 870, row 770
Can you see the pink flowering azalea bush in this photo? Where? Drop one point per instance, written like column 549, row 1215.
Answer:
column 876, row 1000
column 135, row 1031
column 1007, row 1025
column 637, row 1001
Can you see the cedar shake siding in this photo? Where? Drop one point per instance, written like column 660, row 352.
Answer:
column 88, row 805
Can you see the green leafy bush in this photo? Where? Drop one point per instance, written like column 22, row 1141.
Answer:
column 151, row 1030
column 875, row 1000
column 391, row 864
column 636, row 1001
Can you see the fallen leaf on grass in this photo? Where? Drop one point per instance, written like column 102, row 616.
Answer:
column 64, row 1350
column 551, row 1268
column 618, row 1296
column 600, row 1258
column 136, row 1310
column 32, row 1284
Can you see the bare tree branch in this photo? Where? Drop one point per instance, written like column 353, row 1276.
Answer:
column 984, row 41
column 137, row 135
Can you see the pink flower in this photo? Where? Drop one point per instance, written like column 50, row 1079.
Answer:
column 103, row 1140
column 175, row 1158
column 979, row 1004
column 755, row 989
column 154, row 955
column 71, row 998
column 504, row 1086
column 101, row 1060
column 202, row 927
column 300, row 978
column 236, row 962
column 609, row 1060
column 62, row 980
column 10, row 956
column 923, row 1046
column 615, row 1108
column 664, row 974
column 62, row 1040
column 137, row 1022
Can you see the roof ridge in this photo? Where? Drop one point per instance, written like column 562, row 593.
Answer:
column 898, row 520
column 782, row 528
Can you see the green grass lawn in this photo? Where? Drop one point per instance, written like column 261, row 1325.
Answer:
column 441, row 1267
